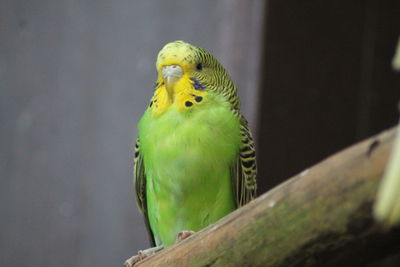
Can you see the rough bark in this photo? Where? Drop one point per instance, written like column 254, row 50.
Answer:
column 320, row 217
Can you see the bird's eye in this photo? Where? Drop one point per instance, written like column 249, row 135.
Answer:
column 199, row 66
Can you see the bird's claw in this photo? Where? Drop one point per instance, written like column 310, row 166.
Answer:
column 182, row 235
column 142, row 254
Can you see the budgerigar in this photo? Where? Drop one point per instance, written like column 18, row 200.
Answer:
column 387, row 205
column 195, row 159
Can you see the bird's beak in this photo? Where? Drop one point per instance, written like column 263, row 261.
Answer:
column 171, row 74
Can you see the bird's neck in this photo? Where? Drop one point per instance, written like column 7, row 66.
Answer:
column 183, row 97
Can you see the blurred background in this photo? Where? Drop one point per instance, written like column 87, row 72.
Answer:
column 75, row 76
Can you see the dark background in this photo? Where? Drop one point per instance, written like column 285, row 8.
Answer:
column 75, row 77
column 327, row 82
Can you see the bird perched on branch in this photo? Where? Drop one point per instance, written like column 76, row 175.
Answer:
column 194, row 160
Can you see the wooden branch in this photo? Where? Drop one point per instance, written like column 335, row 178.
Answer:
column 319, row 217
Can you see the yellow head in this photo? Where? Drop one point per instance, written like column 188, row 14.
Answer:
column 186, row 73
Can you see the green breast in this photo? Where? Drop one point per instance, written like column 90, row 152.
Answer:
column 187, row 158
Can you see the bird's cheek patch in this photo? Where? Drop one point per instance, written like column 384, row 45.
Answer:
column 197, row 85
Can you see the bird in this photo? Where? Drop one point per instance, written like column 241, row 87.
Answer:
column 195, row 158
column 387, row 204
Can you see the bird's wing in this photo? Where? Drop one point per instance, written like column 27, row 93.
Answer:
column 244, row 170
column 139, row 179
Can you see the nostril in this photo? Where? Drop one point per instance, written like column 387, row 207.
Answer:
column 172, row 70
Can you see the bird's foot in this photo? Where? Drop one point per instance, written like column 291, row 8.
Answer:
column 142, row 254
column 182, row 235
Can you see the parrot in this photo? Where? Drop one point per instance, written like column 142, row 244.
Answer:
column 194, row 157
column 387, row 204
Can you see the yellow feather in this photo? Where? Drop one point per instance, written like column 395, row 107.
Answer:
column 387, row 205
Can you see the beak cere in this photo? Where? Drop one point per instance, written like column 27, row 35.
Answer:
column 171, row 74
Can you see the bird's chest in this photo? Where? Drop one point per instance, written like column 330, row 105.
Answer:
column 185, row 150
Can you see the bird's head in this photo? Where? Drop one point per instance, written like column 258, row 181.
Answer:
column 185, row 72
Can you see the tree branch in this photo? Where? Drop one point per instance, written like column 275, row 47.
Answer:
column 321, row 216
